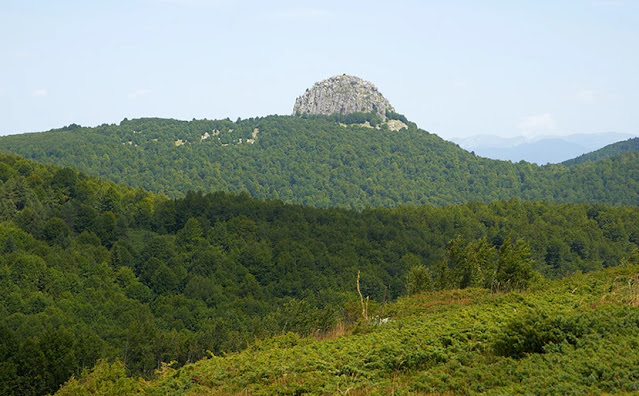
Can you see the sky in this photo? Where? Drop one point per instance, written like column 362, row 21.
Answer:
column 456, row 68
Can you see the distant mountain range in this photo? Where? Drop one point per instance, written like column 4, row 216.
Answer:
column 345, row 147
column 541, row 149
column 606, row 152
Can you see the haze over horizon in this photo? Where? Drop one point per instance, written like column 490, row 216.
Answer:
column 457, row 69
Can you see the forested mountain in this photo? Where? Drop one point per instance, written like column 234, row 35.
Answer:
column 539, row 149
column 576, row 336
column 320, row 161
column 630, row 145
column 551, row 150
column 91, row 269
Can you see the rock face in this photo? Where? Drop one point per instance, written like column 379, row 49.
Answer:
column 343, row 95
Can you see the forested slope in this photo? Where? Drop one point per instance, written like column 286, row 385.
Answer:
column 571, row 337
column 319, row 161
column 91, row 269
column 630, row 145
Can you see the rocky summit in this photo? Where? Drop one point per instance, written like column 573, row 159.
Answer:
column 342, row 95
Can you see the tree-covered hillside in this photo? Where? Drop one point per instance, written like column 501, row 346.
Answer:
column 319, row 161
column 630, row 145
column 91, row 269
column 577, row 336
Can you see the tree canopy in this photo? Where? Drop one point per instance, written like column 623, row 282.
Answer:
column 91, row 269
column 322, row 161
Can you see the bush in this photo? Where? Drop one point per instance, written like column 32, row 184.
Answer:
column 538, row 333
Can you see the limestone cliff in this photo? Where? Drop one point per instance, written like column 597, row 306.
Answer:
column 342, row 95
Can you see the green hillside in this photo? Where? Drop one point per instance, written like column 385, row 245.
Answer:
column 319, row 161
column 630, row 145
column 91, row 269
column 571, row 337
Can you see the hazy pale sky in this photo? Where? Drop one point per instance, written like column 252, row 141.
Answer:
column 456, row 68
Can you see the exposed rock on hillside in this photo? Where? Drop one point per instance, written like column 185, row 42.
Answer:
column 342, row 95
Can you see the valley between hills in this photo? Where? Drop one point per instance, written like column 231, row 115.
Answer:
column 338, row 250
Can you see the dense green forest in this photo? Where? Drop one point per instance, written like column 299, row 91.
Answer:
column 320, row 161
column 90, row 269
column 577, row 336
column 611, row 150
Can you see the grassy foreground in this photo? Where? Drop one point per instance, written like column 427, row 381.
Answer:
column 579, row 335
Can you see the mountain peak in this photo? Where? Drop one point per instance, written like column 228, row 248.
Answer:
column 342, row 94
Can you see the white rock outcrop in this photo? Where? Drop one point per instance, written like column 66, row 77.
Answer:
column 342, row 95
